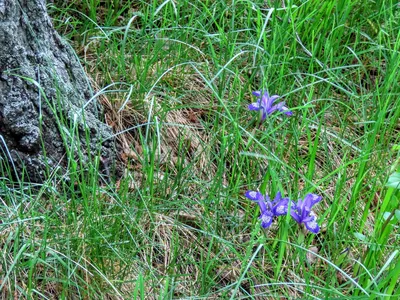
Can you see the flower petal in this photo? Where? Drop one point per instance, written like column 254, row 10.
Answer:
column 267, row 102
column 273, row 109
column 265, row 95
column 254, row 195
column 300, row 205
column 315, row 199
column 281, row 208
column 309, row 201
column 264, row 115
column 263, row 206
column 257, row 93
column 268, row 202
column 312, row 225
column 286, row 111
column 266, row 219
column 264, row 102
column 278, row 197
column 254, row 106
column 295, row 216
column 274, row 98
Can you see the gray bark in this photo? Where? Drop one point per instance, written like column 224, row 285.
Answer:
column 44, row 92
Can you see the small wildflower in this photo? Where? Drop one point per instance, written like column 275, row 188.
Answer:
column 265, row 105
column 302, row 212
column 268, row 208
column 281, row 207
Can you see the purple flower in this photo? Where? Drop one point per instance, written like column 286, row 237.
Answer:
column 302, row 212
column 265, row 105
column 281, row 207
column 268, row 208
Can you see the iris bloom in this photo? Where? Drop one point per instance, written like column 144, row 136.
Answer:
column 302, row 212
column 265, row 104
column 268, row 208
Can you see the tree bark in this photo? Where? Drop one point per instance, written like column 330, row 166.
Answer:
column 44, row 94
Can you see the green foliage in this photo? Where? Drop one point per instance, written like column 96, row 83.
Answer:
column 179, row 75
column 394, row 181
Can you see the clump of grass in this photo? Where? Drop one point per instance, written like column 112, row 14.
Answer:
column 175, row 79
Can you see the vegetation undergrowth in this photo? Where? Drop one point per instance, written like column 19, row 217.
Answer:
column 175, row 79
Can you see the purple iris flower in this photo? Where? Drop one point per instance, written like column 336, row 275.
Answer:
column 302, row 212
column 268, row 208
column 265, row 104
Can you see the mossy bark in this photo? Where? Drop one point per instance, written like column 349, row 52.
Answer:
column 45, row 112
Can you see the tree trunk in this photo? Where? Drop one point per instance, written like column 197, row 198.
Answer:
column 45, row 113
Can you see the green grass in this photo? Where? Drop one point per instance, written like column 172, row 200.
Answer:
column 176, row 78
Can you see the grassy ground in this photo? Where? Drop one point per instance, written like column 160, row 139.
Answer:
column 176, row 78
